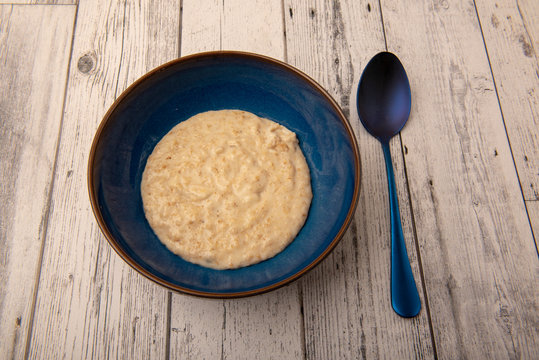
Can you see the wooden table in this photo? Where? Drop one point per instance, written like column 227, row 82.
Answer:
column 467, row 169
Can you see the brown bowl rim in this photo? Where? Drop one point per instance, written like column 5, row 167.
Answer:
column 208, row 294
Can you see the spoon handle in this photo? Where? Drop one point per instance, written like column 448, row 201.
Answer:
column 404, row 295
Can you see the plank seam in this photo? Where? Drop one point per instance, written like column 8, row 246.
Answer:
column 414, row 229
column 121, row 54
column 223, row 332
column 285, row 55
column 504, row 125
column 302, row 318
column 169, row 298
column 45, row 219
column 382, row 20
column 180, row 30
column 167, row 338
column 420, row 263
column 221, row 18
column 299, row 289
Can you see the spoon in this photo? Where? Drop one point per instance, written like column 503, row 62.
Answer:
column 383, row 103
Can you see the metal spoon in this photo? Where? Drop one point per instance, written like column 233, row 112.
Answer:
column 383, row 103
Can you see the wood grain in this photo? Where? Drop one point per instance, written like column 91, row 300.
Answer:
column 197, row 328
column 516, row 72
column 240, row 25
column 528, row 11
column 39, row 2
column 347, row 305
column 268, row 326
column 476, row 246
column 533, row 212
column 32, row 88
column 90, row 304
column 473, row 66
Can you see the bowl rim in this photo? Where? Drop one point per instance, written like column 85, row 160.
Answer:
column 208, row 294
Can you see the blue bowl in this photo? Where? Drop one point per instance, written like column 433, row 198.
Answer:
column 174, row 92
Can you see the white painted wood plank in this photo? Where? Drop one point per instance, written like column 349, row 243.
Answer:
column 201, row 26
column 266, row 326
column 477, row 249
column 39, row 2
column 528, row 10
column 516, row 72
column 90, row 304
column 347, row 305
column 254, row 26
column 33, row 64
column 533, row 212
column 196, row 328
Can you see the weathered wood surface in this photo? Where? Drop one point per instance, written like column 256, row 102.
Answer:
column 90, row 304
column 477, row 248
column 346, row 299
column 32, row 89
column 240, row 25
column 528, row 10
column 533, row 212
column 465, row 164
column 516, row 73
column 39, row 2
column 266, row 326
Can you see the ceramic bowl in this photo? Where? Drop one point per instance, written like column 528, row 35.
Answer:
column 174, row 92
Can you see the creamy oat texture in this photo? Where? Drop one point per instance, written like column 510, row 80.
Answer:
column 226, row 189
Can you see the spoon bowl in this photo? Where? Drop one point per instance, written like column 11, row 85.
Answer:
column 384, row 101
column 384, row 96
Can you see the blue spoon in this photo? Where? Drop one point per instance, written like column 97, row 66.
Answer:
column 383, row 103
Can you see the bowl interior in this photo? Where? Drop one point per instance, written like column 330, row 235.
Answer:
column 181, row 89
